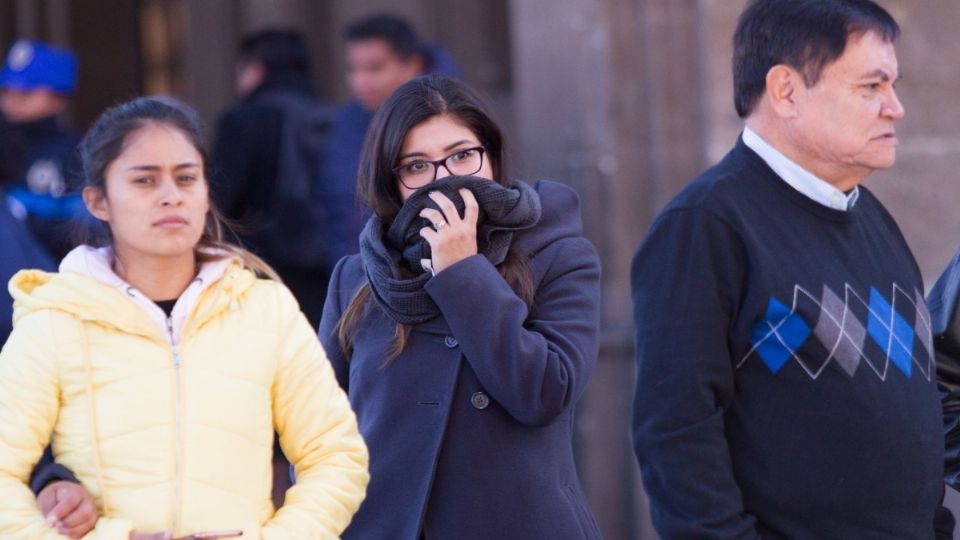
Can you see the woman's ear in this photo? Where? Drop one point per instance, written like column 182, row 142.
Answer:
column 96, row 201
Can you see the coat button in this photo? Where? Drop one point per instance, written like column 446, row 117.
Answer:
column 450, row 341
column 479, row 400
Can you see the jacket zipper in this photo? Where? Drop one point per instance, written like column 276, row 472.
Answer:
column 178, row 435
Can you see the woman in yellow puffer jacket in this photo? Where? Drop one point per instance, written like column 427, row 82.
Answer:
column 160, row 365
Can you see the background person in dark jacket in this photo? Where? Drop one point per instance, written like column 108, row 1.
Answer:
column 262, row 147
column 35, row 84
column 464, row 360
column 785, row 368
column 382, row 53
column 18, row 248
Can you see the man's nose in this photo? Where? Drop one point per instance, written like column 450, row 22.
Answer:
column 892, row 107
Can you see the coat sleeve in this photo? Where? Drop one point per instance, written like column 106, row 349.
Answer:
column 686, row 281
column 332, row 311
column 318, row 433
column 49, row 471
column 29, row 405
column 535, row 365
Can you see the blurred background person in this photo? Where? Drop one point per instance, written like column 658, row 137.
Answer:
column 267, row 158
column 35, row 86
column 18, row 248
column 382, row 52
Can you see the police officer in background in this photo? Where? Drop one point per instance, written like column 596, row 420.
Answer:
column 35, row 86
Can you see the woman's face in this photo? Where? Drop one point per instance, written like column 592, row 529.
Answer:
column 436, row 138
column 156, row 199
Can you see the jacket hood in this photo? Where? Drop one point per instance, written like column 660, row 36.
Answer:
column 559, row 217
column 87, row 288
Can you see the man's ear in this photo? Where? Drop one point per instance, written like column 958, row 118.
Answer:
column 96, row 201
column 784, row 85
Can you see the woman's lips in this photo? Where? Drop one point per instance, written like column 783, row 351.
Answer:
column 171, row 223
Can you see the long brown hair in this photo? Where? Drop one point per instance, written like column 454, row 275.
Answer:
column 410, row 105
column 104, row 142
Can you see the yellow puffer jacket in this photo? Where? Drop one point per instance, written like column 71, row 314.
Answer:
column 174, row 430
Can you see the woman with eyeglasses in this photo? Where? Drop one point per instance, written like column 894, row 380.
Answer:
column 464, row 331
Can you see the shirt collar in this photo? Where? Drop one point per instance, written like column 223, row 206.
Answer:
column 799, row 178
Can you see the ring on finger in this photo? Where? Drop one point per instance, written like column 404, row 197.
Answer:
column 439, row 225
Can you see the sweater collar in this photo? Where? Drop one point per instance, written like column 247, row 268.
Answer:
column 799, row 178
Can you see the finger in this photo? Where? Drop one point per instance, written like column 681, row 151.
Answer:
column 79, row 531
column 83, row 513
column 429, row 235
column 427, row 265
column 446, row 206
column 432, row 215
column 47, row 499
column 472, row 207
column 67, row 501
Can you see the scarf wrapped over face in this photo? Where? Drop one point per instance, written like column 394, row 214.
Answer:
column 391, row 253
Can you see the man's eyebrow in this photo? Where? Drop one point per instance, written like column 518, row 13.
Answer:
column 881, row 74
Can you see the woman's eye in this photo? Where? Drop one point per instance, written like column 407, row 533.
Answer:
column 143, row 180
column 187, row 178
column 465, row 154
column 417, row 166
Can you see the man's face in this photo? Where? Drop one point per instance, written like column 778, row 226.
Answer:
column 374, row 71
column 844, row 126
column 250, row 75
column 21, row 106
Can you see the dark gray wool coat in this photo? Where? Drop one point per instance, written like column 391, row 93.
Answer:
column 470, row 428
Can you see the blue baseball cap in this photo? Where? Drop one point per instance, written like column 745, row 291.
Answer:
column 33, row 64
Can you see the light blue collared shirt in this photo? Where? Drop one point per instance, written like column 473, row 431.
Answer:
column 799, row 178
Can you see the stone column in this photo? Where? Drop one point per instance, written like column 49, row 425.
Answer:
column 209, row 59
column 606, row 101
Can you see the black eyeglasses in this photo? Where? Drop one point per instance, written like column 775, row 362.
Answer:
column 420, row 172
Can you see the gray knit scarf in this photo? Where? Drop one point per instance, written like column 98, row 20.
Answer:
column 391, row 255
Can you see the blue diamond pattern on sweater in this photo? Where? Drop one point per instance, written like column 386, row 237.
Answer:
column 891, row 332
column 778, row 335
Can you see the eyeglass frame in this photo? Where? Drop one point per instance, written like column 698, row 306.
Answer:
column 436, row 165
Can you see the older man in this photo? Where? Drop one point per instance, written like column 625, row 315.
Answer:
column 785, row 385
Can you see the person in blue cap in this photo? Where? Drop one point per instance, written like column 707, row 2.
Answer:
column 35, row 86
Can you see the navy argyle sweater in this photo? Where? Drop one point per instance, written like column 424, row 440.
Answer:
column 785, row 386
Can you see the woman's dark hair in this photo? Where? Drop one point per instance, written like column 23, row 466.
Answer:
column 106, row 140
column 410, row 105
column 806, row 35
